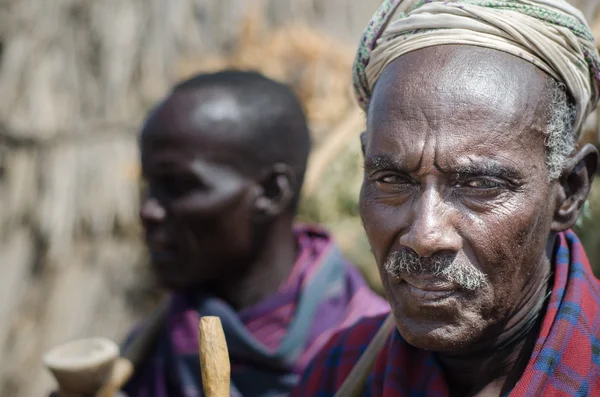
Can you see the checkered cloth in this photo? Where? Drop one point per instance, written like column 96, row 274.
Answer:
column 565, row 360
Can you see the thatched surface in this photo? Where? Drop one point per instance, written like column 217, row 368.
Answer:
column 77, row 78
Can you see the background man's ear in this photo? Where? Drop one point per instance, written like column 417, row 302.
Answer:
column 278, row 189
column 363, row 141
column 574, row 187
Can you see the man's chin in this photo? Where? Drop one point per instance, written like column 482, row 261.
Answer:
column 171, row 279
column 172, row 283
column 435, row 336
column 177, row 280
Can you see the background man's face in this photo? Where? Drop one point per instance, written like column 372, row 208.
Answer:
column 198, row 208
column 456, row 201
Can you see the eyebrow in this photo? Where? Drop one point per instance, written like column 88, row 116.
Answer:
column 481, row 168
column 164, row 168
column 379, row 163
column 485, row 168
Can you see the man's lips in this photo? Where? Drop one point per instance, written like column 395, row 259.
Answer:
column 428, row 288
column 162, row 256
column 160, row 248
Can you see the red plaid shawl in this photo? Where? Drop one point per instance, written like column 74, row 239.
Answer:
column 565, row 360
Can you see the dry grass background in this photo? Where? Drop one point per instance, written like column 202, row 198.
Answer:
column 76, row 79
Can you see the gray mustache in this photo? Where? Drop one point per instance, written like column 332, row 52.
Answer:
column 450, row 268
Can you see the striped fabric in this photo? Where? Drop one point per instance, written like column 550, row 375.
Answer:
column 565, row 360
column 271, row 343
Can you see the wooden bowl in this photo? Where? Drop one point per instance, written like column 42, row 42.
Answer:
column 83, row 366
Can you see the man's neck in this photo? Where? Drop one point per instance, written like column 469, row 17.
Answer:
column 495, row 368
column 268, row 270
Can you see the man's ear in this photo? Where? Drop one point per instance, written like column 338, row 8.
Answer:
column 363, row 142
column 574, row 187
column 278, row 189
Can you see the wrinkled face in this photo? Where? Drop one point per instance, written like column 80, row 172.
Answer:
column 197, row 211
column 456, row 201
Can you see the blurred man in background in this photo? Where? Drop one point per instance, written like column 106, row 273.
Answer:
column 473, row 179
column 223, row 157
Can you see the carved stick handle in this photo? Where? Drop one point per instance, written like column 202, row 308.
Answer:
column 214, row 357
column 122, row 371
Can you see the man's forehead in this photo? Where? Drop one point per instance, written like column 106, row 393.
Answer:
column 199, row 108
column 195, row 125
column 460, row 107
column 459, row 78
column 197, row 117
column 212, row 106
column 459, row 91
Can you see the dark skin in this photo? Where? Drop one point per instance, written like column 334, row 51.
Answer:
column 455, row 165
column 216, row 219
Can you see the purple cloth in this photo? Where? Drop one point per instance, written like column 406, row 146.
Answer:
column 271, row 343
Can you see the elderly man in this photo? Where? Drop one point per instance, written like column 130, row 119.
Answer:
column 472, row 182
column 223, row 156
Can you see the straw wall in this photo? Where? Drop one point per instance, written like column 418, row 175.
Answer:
column 76, row 78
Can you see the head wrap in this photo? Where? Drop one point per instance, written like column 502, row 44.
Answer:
column 551, row 34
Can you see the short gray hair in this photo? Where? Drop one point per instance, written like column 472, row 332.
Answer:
column 560, row 137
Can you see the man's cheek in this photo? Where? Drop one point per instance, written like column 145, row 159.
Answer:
column 506, row 253
column 382, row 225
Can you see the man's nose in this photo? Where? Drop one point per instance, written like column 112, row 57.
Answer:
column 432, row 229
column 152, row 211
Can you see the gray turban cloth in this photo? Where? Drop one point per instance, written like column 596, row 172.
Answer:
column 550, row 34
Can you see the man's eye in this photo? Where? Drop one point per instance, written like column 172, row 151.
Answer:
column 393, row 179
column 482, row 183
column 389, row 179
column 176, row 187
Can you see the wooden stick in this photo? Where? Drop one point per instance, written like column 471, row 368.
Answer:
column 214, row 357
column 139, row 348
column 136, row 351
column 121, row 372
column 322, row 157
